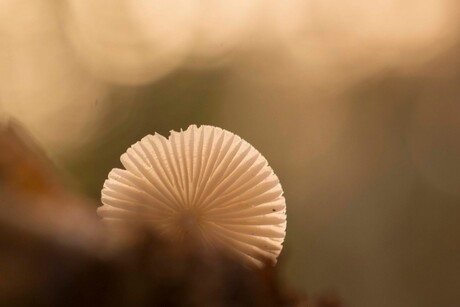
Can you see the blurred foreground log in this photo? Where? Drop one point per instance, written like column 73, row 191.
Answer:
column 54, row 252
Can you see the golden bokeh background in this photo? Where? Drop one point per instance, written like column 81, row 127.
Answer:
column 355, row 104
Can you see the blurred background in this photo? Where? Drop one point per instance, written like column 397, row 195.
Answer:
column 355, row 104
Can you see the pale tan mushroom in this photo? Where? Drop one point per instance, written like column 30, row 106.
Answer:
column 204, row 184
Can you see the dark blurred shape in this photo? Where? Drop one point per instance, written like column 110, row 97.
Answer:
column 41, row 270
column 23, row 167
column 329, row 299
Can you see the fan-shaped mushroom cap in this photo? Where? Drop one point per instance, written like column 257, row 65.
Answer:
column 205, row 184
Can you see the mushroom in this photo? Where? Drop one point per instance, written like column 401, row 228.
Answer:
column 204, row 184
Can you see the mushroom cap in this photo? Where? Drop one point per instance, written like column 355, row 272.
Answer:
column 204, row 184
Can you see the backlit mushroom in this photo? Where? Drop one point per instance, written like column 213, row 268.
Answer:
column 204, row 184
